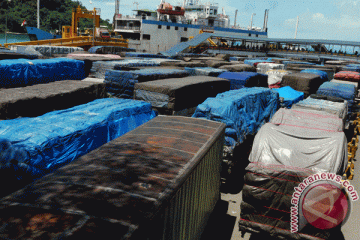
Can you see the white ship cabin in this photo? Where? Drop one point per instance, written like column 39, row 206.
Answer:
column 206, row 14
column 130, row 26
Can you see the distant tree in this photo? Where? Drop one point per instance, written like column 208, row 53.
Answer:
column 53, row 14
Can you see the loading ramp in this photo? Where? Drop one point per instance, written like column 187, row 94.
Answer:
column 184, row 45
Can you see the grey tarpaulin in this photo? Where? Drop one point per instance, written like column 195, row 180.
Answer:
column 292, row 147
column 312, row 147
column 35, row 100
column 239, row 68
column 308, row 119
column 181, row 93
column 339, row 109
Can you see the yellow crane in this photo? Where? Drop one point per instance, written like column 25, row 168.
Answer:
column 71, row 31
column 70, row 36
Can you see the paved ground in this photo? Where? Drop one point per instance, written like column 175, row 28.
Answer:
column 223, row 222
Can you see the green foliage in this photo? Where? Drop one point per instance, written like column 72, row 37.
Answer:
column 53, row 15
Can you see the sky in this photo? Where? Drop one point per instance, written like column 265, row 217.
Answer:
column 318, row 19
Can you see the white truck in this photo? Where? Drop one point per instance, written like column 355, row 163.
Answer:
column 102, row 33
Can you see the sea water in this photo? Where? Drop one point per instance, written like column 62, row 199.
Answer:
column 13, row 38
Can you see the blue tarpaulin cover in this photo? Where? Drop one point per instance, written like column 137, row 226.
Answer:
column 245, row 79
column 208, row 71
column 323, row 75
column 341, row 90
column 121, row 83
column 231, row 59
column 243, row 111
column 351, row 67
column 24, row 72
column 99, row 68
column 37, row 146
column 290, row 95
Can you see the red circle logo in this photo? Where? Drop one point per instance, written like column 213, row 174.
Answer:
column 325, row 206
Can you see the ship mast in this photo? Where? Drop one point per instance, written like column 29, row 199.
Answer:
column 296, row 28
column 117, row 4
column 38, row 14
column 236, row 11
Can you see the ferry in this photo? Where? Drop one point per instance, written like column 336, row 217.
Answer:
column 157, row 31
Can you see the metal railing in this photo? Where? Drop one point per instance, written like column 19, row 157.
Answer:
column 207, row 28
column 75, row 41
column 58, row 41
column 127, row 28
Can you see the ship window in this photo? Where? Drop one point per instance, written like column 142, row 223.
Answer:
column 249, row 34
column 215, row 11
column 183, row 39
column 168, row 27
column 159, row 26
column 257, row 35
column 146, row 36
column 176, row 28
column 185, row 28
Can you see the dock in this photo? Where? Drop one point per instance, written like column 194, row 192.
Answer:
column 84, row 41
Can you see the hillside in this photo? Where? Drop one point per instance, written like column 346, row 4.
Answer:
column 53, row 15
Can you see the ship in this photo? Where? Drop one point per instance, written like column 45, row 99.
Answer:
column 157, row 31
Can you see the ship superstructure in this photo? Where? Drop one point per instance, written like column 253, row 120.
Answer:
column 157, row 31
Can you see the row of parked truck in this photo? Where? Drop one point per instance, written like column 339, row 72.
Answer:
column 119, row 168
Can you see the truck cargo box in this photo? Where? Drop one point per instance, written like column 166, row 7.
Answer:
column 294, row 146
column 24, row 72
column 35, row 100
column 341, row 90
column 173, row 95
column 121, row 83
column 245, row 79
column 264, row 67
column 289, row 95
column 37, row 146
column 159, row 181
column 339, row 109
column 307, row 83
column 323, row 75
column 243, row 111
column 347, row 76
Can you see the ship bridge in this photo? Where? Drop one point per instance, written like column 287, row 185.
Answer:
column 316, row 49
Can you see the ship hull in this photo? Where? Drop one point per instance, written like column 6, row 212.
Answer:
column 158, row 36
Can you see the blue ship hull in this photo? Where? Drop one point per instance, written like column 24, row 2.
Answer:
column 40, row 34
